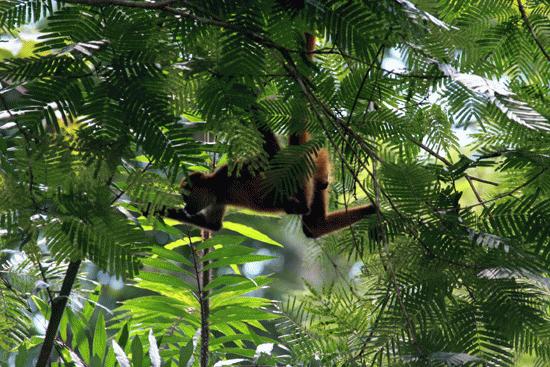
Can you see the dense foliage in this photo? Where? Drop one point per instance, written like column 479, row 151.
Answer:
column 119, row 99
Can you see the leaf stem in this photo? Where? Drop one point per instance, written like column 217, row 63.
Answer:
column 203, row 279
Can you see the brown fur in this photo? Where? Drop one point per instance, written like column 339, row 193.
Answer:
column 208, row 194
column 310, row 46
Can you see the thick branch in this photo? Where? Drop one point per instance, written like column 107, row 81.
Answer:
column 58, row 307
column 165, row 6
column 127, row 3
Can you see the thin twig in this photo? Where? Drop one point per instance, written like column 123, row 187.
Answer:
column 373, row 327
column 346, row 207
column 122, row 192
column 531, row 30
column 509, row 193
column 338, row 272
column 470, row 178
column 476, row 193
column 449, row 163
column 473, row 178
column 363, row 82
column 409, row 324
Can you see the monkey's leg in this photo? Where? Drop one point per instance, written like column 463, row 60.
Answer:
column 298, row 203
column 271, row 145
column 319, row 222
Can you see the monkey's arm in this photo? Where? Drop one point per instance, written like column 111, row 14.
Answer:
column 210, row 218
column 319, row 222
column 271, row 146
column 317, row 227
column 299, row 203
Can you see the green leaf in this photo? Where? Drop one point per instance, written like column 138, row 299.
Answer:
column 234, row 260
column 228, row 251
column 110, row 358
column 100, row 338
column 250, row 233
column 123, row 336
column 137, row 352
column 240, row 313
column 163, row 265
column 171, row 255
column 165, row 279
column 186, row 354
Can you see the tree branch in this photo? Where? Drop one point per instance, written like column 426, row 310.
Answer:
column 165, row 6
column 122, row 192
column 476, row 193
column 58, row 307
column 509, row 193
column 203, row 279
column 362, row 85
column 449, row 163
column 127, row 3
column 473, row 178
column 531, row 30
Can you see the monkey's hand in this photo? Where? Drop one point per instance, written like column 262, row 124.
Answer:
column 178, row 214
column 200, row 220
column 151, row 210
column 321, row 185
column 294, row 205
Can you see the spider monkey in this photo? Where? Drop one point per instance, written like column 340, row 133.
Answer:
column 207, row 194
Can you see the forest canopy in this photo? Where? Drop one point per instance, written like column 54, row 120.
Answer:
column 435, row 112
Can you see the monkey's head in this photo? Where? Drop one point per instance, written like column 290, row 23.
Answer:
column 197, row 193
